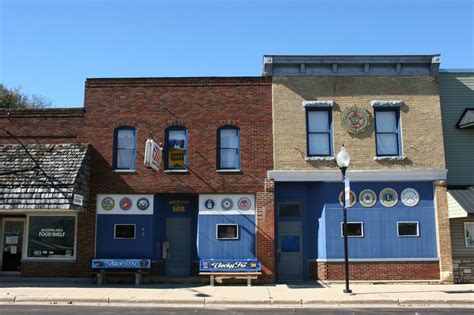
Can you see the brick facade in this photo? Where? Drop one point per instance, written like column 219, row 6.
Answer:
column 422, row 133
column 418, row 270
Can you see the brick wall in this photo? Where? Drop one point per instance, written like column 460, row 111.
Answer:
column 202, row 105
column 422, row 131
column 373, row 271
column 444, row 232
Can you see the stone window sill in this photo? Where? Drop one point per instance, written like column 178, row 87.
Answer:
column 390, row 158
column 229, row 171
column 319, row 158
column 125, row 171
column 177, row 171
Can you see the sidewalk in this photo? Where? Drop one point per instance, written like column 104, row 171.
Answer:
column 281, row 295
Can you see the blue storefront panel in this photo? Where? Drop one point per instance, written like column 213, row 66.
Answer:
column 321, row 215
column 210, row 247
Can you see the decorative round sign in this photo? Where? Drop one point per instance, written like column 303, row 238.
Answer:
column 388, row 197
column 125, row 203
column 353, row 198
column 410, row 197
column 143, row 204
column 355, row 120
column 108, row 203
column 209, row 204
column 227, row 203
column 244, row 203
column 367, row 198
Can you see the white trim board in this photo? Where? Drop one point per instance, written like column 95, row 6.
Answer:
column 357, row 175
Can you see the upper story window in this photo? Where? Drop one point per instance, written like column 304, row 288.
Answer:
column 387, row 131
column 125, row 148
column 319, row 131
column 176, row 148
column 228, row 151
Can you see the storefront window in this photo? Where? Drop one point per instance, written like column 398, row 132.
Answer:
column 51, row 236
column 469, row 233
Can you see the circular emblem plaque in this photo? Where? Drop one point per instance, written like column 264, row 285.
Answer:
column 143, row 204
column 353, row 198
column 227, row 204
column 388, row 197
column 355, row 120
column 244, row 203
column 367, row 198
column 209, row 204
column 125, row 203
column 108, row 203
column 410, row 197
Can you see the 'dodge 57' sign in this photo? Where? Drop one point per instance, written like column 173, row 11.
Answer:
column 230, row 265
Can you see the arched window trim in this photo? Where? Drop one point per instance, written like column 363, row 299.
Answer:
column 218, row 149
column 115, row 148
column 186, row 141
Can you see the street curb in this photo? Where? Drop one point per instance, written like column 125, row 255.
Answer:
column 59, row 299
column 353, row 302
column 237, row 302
column 7, row 299
column 155, row 301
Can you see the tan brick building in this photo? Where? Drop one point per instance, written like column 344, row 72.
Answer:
column 386, row 111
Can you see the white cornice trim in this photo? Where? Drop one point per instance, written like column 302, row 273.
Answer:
column 357, row 175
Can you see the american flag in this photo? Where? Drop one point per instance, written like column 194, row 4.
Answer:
column 156, row 154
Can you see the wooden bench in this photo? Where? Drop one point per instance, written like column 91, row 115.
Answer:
column 232, row 275
column 230, row 269
column 105, row 267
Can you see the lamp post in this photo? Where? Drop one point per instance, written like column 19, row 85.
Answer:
column 343, row 159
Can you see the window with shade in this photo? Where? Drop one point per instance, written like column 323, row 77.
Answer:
column 228, row 152
column 176, row 148
column 125, row 148
column 319, row 132
column 387, row 132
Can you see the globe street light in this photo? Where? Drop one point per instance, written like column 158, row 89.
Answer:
column 343, row 159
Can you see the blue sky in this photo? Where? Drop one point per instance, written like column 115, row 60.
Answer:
column 49, row 47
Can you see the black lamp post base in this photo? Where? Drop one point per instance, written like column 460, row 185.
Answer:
column 347, row 291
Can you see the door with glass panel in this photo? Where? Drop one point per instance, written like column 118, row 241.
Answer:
column 290, row 243
column 12, row 243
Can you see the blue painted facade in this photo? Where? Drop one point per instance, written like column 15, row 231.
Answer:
column 321, row 216
column 150, row 232
column 209, row 247
column 140, row 247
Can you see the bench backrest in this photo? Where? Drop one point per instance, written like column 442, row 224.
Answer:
column 121, row 263
column 230, row 265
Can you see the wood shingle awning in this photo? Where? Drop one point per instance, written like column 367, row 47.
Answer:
column 58, row 180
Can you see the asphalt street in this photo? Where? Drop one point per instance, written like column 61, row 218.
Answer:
column 73, row 309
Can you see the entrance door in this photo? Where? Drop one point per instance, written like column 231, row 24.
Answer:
column 290, row 251
column 12, row 244
column 178, row 236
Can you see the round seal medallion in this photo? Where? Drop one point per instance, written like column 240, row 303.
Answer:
column 125, row 203
column 227, row 203
column 244, row 203
column 410, row 197
column 367, row 198
column 355, row 120
column 388, row 197
column 108, row 203
column 352, row 197
column 209, row 204
column 143, row 204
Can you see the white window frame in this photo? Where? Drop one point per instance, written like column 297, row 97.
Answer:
column 464, row 230
column 362, row 229
column 27, row 232
column 125, row 238
column 226, row 238
column 417, row 229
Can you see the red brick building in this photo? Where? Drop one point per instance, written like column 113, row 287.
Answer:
column 217, row 139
